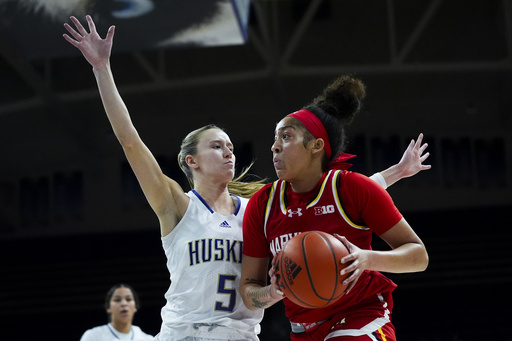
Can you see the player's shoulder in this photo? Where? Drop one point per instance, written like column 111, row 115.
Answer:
column 354, row 180
column 263, row 191
column 94, row 333
column 354, row 177
column 260, row 198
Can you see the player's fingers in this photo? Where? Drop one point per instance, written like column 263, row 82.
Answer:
column 352, row 267
column 78, row 25
column 423, row 147
column 340, row 238
column 90, row 22
column 417, row 144
column 352, row 279
column 110, row 33
column 349, row 288
column 274, row 286
column 72, row 31
column 411, row 146
column 345, row 242
column 348, row 258
column 420, row 138
column 70, row 40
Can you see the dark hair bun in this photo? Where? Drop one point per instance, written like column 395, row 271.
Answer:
column 342, row 98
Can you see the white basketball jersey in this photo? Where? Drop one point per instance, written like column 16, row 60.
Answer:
column 204, row 258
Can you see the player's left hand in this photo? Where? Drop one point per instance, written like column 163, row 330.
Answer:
column 358, row 261
column 412, row 160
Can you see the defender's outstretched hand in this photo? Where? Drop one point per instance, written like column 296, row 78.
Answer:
column 413, row 158
column 410, row 164
column 95, row 49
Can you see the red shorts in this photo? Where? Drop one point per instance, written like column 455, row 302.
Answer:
column 369, row 321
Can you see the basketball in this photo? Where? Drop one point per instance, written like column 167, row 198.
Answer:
column 308, row 269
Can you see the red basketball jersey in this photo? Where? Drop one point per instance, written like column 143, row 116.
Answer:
column 343, row 202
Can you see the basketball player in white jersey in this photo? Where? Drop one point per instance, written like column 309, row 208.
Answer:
column 121, row 304
column 201, row 230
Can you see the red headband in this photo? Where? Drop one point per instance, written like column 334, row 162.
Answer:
column 314, row 126
column 317, row 129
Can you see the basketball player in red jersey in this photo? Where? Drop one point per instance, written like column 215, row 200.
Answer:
column 314, row 192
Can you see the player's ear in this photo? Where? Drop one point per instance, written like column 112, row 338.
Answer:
column 317, row 145
column 191, row 161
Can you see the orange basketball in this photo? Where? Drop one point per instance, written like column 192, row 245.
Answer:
column 308, row 269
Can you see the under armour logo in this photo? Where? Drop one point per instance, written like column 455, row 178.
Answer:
column 292, row 212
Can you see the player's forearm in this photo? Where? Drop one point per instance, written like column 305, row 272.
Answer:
column 114, row 105
column 410, row 257
column 258, row 297
column 392, row 174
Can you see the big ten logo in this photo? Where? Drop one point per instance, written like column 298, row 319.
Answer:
column 324, row 209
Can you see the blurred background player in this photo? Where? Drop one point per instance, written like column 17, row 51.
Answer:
column 121, row 304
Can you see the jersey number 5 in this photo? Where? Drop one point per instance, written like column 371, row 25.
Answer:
column 223, row 279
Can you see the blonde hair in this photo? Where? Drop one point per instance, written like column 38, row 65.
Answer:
column 235, row 186
column 245, row 189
